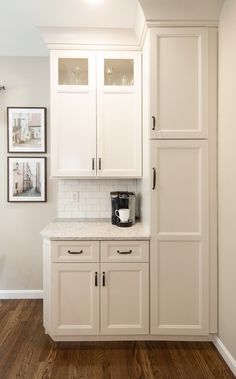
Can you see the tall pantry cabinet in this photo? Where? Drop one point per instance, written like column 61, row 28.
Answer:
column 180, row 115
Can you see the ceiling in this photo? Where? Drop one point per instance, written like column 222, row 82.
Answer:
column 20, row 36
column 182, row 9
column 18, row 28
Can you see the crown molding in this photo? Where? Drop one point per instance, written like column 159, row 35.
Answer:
column 89, row 38
column 182, row 23
column 108, row 38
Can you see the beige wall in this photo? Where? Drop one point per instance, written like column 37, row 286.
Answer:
column 227, row 177
column 27, row 83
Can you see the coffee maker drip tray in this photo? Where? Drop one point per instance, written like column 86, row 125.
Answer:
column 124, row 224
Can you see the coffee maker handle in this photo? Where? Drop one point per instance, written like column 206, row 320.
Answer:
column 117, row 213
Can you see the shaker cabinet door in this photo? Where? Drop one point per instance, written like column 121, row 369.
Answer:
column 119, row 114
column 125, row 298
column 73, row 114
column 179, row 261
column 75, row 299
column 179, row 83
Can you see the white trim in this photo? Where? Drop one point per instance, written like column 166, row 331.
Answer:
column 21, row 294
column 57, row 39
column 93, row 47
column 182, row 23
column 142, row 36
column 144, row 337
column 224, row 352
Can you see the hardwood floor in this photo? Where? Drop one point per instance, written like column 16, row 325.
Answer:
column 26, row 352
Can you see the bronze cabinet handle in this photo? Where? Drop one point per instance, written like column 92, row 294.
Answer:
column 153, row 178
column 153, row 122
column 96, row 279
column 100, row 163
column 93, row 163
column 103, row 279
column 124, row 252
column 75, row 252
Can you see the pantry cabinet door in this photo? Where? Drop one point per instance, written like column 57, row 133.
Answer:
column 124, row 298
column 179, row 83
column 75, row 299
column 73, row 114
column 179, row 260
column 119, row 114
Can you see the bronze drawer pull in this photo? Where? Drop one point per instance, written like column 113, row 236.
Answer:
column 75, row 252
column 153, row 122
column 124, row 252
column 154, row 178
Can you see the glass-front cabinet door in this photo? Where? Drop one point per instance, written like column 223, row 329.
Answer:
column 119, row 114
column 73, row 113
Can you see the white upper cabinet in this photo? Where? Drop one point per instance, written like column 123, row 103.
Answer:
column 96, row 114
column 119, row 114
column 73, row 113
column 179, row 83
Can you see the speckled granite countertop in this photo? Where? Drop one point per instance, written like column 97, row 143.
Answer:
column 92, row 230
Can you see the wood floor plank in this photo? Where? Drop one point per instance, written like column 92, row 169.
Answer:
column 27, row 352
column 161, row 361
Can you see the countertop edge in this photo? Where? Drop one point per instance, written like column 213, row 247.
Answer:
column 93, row 231
column 110, row 238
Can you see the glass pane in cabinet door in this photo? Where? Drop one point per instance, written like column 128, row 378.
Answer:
column 118, row 72
column 73, row 71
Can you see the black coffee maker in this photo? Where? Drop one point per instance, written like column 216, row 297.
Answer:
column 122, row 200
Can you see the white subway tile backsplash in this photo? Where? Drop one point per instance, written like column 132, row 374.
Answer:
column 103, row 195
column 82, row 201
column 91, row 214
column 92, row 187
column 93, row 197
column 93, row 201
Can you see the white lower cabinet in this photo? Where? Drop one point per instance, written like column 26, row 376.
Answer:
column 75, row 299
column 124, row 298
column 99, row 297
column 179, row 262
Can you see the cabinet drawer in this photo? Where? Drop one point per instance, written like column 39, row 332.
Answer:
column 75, row 251
column 124, row 251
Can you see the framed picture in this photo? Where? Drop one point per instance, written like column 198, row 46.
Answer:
column 26, row 179
column 26, row 130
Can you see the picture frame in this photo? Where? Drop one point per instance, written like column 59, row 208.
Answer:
column 27, row 179
column 26, row 129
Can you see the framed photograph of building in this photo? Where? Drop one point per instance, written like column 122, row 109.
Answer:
column 26, row 130
column 26, row 179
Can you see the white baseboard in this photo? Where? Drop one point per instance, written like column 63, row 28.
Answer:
column 224, row 352
column 21, row 294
